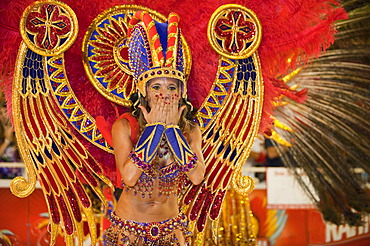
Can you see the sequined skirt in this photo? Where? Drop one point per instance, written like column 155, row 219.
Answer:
column 128, row 232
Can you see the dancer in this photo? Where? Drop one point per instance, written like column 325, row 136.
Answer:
column 157, row 147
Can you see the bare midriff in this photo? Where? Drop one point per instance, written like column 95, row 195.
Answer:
column 154, row 208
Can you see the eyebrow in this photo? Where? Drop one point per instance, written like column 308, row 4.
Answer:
column 157, row 83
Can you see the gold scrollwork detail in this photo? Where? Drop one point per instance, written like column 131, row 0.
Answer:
column 242, row 184
column 20, row 187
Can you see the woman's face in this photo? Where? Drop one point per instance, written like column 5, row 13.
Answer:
column 162, row 88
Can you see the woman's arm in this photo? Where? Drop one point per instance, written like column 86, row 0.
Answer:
column 196, row 175
column 122, row 144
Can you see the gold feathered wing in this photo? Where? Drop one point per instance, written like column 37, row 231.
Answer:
column 227, row 139
column 51, row 152
column 229, row 119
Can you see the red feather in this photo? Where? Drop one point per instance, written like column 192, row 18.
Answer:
column 294, row 31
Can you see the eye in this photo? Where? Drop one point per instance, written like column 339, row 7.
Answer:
column 155, row 87
column 172, row 88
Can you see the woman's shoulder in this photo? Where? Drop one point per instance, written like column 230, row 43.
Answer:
column 121, row 125
column 128, row 124
column 128, row 116
column 125, row 120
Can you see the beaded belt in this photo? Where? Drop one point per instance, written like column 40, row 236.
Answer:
column 153, row 230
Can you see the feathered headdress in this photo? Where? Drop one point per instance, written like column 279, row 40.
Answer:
column 156, row 50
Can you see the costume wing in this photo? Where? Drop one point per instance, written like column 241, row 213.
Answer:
column 229, row 117
column 51, row 151
column 232, row 114
column 44, row 108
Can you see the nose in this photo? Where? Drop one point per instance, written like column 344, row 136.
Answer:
column 166, row 93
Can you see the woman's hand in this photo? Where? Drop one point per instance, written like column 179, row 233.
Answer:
column 157, row 112
column 173, row 114
column 164, row 110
